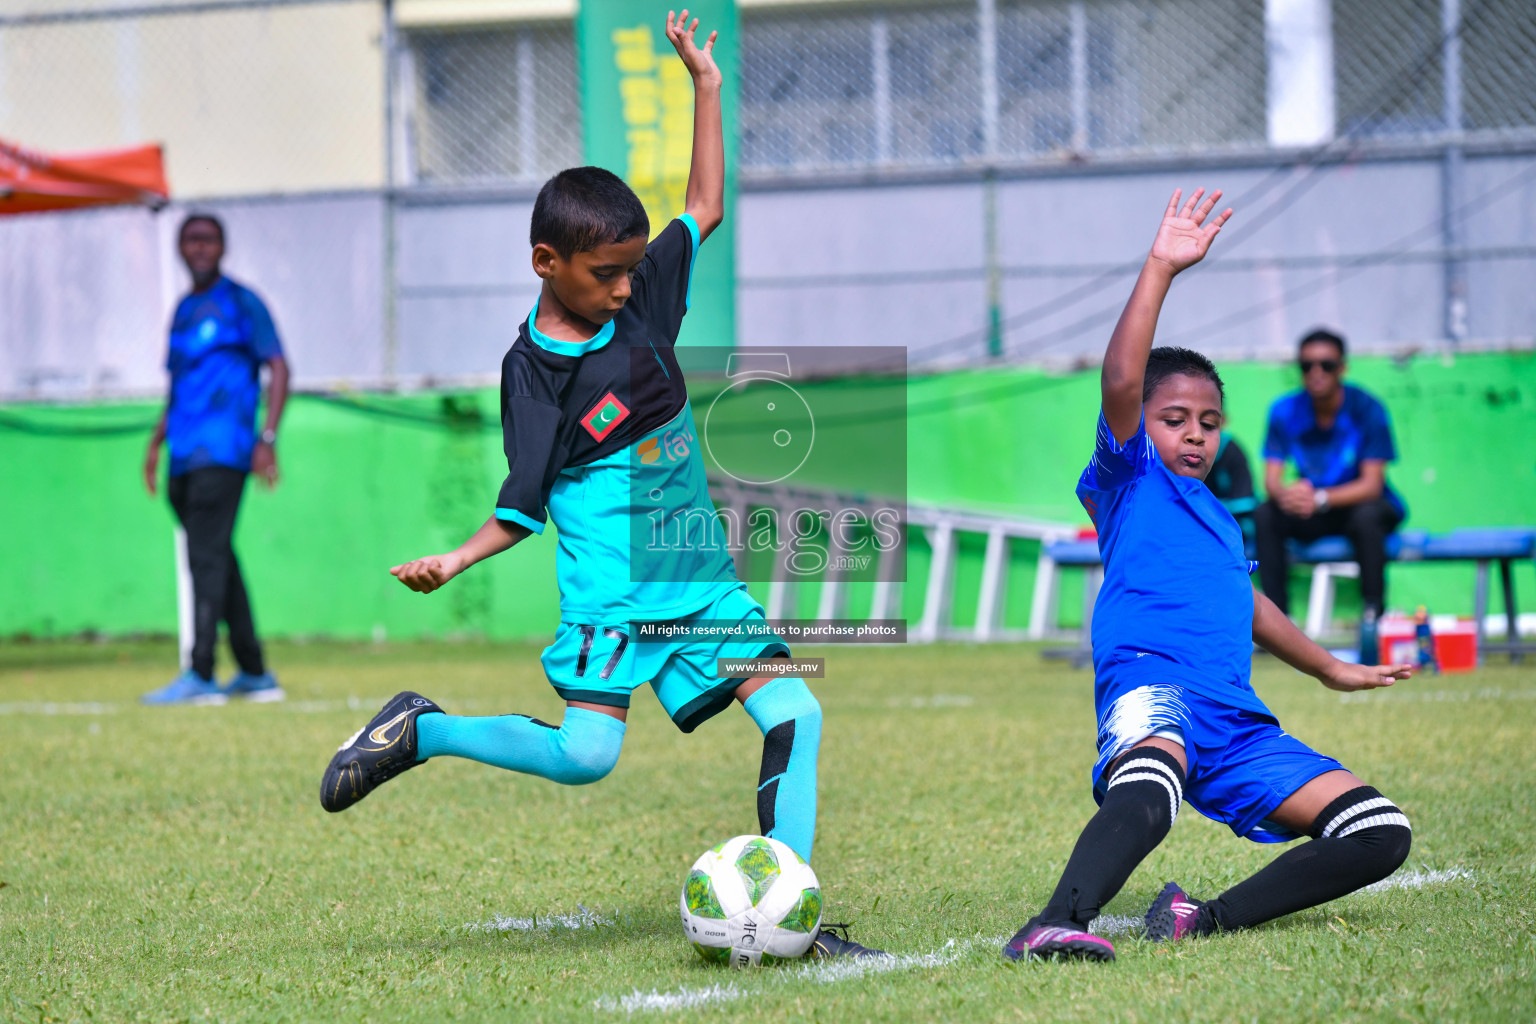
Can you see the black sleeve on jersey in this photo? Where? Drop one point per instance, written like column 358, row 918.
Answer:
column 530, row 431
column 662, row 281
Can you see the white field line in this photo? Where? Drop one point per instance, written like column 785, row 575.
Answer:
column 1406, row 694
column 311, row 707
column 1113, row 926
column 1417, row 879
column 823, row 972
column 32, row 707
column 583, row 918
column 368, row 704
column 938, row 700
column 303, row 707
column 682, row 999
column 828, row 971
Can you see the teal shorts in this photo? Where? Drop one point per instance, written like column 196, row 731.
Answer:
column 596, row 662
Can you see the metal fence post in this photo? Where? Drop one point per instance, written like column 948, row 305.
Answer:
column 1077, row 13
column 388, row 360
column 986, row 40
column 1451, row 177
column 880, row 85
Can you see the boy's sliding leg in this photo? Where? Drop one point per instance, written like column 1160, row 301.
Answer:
column 1358, row 837
column 1140, row 803
column 582, row 749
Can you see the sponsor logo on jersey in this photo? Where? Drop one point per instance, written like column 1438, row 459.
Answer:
column 674, row 444
column 608, row 413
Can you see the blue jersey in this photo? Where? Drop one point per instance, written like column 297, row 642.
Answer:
column 1176, row 605
column 219, row 339
column 600, row 439
column 1362, row 430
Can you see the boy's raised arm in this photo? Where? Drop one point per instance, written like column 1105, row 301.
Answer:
column 705, row 199
column 1182, row 240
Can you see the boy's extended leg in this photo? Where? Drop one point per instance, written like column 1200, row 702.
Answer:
column 582, row 749
column 790, row 718
column 1358, row 837
column 1141, row 800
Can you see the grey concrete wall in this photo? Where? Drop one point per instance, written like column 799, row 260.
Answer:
column 465, row 283
column 1355, row 245
column 84, row 297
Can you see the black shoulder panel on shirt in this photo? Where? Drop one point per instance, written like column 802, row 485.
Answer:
column 608, row 398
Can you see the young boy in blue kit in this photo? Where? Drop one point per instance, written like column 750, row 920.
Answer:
column 1173, row 630
column 598, row 431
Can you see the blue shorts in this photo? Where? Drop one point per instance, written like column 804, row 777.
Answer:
column 596, row 662
column 1242, row 765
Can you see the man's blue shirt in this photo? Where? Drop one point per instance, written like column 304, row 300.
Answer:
column 1362, row 430
column 1176, row 605
column 219, row 339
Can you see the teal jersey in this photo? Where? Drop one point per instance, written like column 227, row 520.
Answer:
column 600, row 439
column 639, row 537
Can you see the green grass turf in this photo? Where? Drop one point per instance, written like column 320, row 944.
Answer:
column 175, row 864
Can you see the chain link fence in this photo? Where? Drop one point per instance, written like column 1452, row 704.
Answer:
column 262, row 96
column 315, row 126
column 837, row 87
column 248, row 98
column 489, row 105
column 1031, row 81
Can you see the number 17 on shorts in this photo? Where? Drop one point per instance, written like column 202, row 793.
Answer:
column 591, row 663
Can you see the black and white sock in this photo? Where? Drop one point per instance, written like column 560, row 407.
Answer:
column 1140, row 804
column 1360, row 838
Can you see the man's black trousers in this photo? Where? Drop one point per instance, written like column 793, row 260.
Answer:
column 207, row 501
column 1367, row 525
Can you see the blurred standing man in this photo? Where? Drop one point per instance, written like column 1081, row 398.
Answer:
column 221, row 335
column 1340, row 439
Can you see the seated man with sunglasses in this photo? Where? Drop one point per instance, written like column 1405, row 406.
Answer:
column 1340, row 439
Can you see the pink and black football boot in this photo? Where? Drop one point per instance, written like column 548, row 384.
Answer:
column 1048, row 941
column 1174, row 915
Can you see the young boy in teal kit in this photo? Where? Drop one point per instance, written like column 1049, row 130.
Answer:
column 598, row 430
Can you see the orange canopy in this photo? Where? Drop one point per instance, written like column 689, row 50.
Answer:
column 31, row 182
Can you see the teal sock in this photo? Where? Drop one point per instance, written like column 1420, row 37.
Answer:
column 583, row 749
column 786, row 790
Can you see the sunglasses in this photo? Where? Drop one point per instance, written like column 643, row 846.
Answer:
column 1326, row 365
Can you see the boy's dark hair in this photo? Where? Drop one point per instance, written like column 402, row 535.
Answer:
column 1322, row 334
column 584, row 207
column 197, row 216
column 1168, row 360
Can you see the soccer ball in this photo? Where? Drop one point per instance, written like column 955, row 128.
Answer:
column 751, row 900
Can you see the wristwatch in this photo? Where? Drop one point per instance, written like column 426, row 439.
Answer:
column 1320, row 500
column 268, row 437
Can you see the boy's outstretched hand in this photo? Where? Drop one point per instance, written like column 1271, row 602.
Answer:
column 425, row 575
column 700, row 63
column 1346, row 677
column 1185, row 235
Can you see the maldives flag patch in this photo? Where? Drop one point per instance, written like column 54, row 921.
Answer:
column 608, row 413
